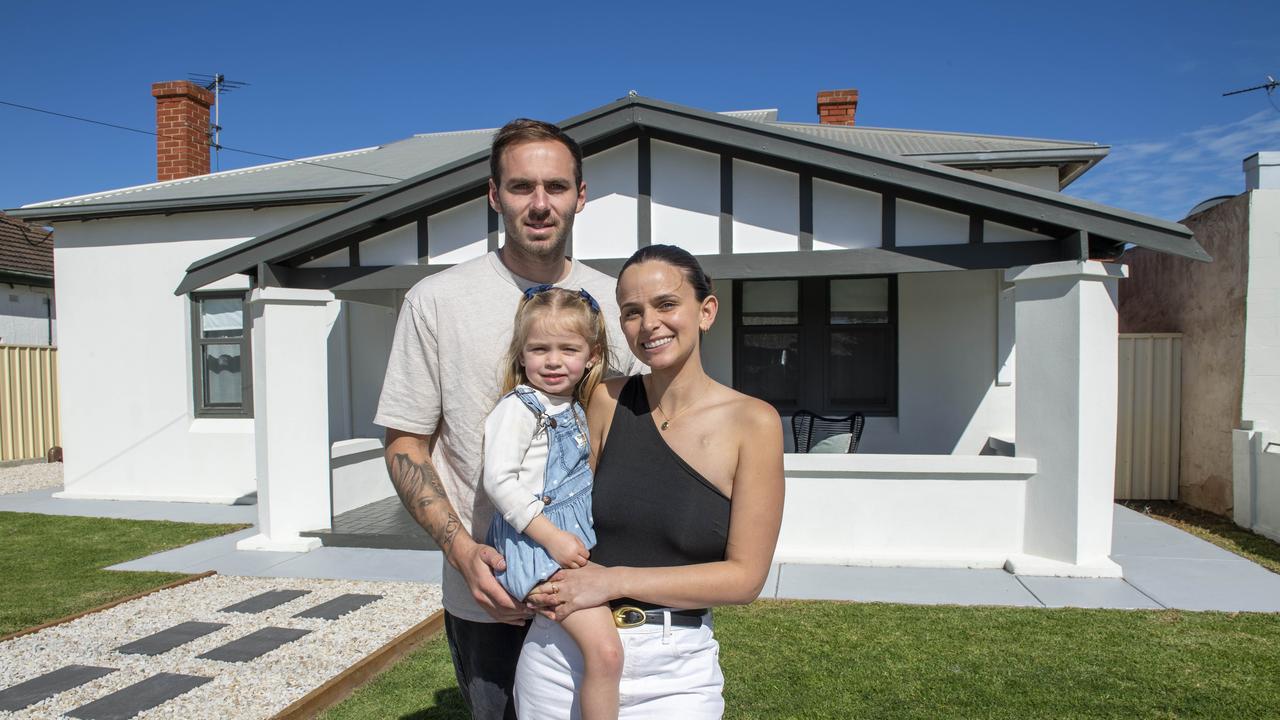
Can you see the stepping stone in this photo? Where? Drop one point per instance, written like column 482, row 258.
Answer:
column 45, row 686
column 127, row 702
column 265, row 601
column 166, row 640
column 254, row 645
column 339, row 606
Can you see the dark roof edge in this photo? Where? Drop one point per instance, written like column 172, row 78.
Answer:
column 170, row 207
column 25, row 278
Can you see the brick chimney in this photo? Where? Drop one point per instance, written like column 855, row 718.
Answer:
column 836, row 107
column 182, row 129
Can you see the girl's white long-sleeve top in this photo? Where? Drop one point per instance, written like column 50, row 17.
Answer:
column 515, row 457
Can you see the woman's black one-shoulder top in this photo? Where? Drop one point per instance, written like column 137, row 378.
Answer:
column 651, row 508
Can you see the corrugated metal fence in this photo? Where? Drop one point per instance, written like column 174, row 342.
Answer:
column 1148, row 426
column 28, row 401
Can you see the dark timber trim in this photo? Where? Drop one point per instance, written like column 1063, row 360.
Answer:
column 424, row 240
column 726, row 204
column 975, row 229
column 1029, row 208
column 888, row 221
column 806, row 211
column 644, row 192
column 354, row 254
column 1076, row 245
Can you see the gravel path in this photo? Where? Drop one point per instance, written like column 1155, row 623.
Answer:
column 31, row 476
column 257, row 688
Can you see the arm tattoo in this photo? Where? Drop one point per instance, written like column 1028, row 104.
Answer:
column 419, row 488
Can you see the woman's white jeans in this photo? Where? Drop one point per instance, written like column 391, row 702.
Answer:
column 668, row 672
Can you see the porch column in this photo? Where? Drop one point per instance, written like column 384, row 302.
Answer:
column 290, row 416
column 1065, row 387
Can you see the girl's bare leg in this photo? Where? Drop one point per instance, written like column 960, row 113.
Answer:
column 594, row 632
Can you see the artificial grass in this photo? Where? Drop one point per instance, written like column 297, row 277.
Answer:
column 1216, row 529
column 51, row 565
column 793, row 659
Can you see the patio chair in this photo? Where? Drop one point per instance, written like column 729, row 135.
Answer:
column 815, row 433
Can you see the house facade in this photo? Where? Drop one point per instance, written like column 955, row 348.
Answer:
column 938, row 283
column 27, row 311
column 1228, row 313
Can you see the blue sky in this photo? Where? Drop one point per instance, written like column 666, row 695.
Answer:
column 1143, row 77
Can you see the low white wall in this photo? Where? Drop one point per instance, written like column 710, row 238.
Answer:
column 903, row 510
column 359, row 474
column 125, row 364
column 1256, row 486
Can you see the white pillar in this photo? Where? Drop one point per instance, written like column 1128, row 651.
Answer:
column 291, row 416
column 1065, row 387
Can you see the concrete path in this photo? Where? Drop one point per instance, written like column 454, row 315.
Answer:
column 1163, row 567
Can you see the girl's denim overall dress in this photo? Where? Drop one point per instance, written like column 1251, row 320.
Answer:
column 566, row 497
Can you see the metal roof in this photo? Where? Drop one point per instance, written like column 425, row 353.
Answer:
column 906, row 177
column 346, row 175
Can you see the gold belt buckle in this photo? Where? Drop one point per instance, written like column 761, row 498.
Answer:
column 628, row 616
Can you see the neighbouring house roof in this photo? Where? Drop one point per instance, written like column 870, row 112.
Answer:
column 979, row 195
column 347, row 175
column 25, row 250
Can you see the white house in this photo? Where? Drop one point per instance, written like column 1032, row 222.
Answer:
column 226, row 333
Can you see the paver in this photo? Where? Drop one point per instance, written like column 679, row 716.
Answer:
column 128, row 702
column 170, row 638
column 339, row 606
column 42, row 687
column 254, row 645
column 265, row 601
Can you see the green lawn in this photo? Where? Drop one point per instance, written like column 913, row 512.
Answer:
column 51, row 566
column 787, row 659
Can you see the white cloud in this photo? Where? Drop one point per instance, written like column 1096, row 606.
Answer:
column 1167, row 177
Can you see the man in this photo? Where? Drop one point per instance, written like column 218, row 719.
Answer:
column 442, row 379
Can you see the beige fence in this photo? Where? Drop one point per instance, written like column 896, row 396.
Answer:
column 1149, row 424
column 28, row 401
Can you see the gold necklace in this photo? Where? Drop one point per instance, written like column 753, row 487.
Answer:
column 666, row 419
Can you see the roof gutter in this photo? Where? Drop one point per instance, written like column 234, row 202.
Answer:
column 173, row 207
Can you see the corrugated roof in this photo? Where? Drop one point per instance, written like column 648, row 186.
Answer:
column 352, row 173
column 25, row 248
column 927, row 142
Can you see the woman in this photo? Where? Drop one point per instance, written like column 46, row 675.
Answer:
column 687, row 505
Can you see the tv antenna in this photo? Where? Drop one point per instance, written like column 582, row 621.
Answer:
column 219, row 84
column 1270, row 85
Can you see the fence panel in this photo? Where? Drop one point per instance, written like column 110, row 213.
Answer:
column 1149, row 423
column 28, row 401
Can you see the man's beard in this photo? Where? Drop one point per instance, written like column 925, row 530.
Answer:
column 541, row 249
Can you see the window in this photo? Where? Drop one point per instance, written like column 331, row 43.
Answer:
column 828, row 345
column 221, row 364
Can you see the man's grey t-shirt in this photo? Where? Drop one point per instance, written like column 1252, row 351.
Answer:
column 444, row 373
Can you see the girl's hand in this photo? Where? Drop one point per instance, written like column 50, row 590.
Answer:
column 571, row 590
column 567, row 549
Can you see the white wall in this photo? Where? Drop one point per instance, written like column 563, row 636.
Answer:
column 766, row 209
column 607, row 226
column 1045, row 178
column 844, row 217
column 917, row 224
column 684, row 197
column 27, row 315
column 125, row 365
column 459, row 233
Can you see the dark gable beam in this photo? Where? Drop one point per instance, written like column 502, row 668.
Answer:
column 969, row 194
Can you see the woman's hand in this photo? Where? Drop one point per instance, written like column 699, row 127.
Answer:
column 568, row 591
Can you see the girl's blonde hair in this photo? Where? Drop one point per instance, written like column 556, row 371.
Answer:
column 571, row 311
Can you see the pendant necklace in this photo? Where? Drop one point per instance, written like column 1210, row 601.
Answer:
column 666, row 419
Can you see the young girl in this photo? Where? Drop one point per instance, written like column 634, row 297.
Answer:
column 536, row 471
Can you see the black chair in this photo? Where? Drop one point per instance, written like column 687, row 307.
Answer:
column 810, row 429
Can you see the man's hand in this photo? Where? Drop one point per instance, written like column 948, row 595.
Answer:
column 477, row 564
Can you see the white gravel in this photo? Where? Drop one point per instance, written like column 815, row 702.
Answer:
column 31, row 476
column 256, row 689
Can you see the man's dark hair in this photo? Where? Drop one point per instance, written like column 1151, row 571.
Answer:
column 680, row 259
column 522, row 130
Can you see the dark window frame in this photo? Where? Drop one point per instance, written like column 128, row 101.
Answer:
column 198, row 344
column 815, row 330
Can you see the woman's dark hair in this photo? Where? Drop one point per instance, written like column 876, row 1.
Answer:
column 678, row 258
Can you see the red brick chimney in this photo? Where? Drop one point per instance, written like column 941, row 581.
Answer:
column 836, row 107
column 182, row 129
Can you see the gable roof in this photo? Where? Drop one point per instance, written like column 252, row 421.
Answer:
column 897, row 176
column 349, row 174
column 25, row 250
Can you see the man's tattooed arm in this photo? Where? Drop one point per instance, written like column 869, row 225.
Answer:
column 423, row 495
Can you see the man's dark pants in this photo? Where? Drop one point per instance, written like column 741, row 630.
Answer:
column 484, row 658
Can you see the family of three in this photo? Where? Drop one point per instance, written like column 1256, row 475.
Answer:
column 589, row 514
